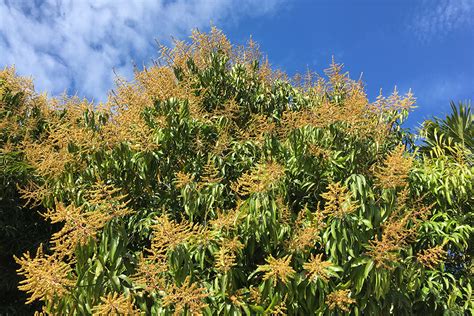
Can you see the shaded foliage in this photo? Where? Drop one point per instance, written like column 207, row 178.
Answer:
column 21, row 228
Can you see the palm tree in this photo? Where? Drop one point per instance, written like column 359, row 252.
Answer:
column 450, row 135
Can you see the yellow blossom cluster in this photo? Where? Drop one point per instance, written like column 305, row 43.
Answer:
column 227, row 254
column 340, row 299
column 317, row 268
column 277, row 269
column 46, row 276
column 432, row 257
column 261, row 178
column 338, row 201
column 115, row 304
column 395, row 169
column 187, row 296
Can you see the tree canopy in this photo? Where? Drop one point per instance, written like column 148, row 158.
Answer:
column 214, row 184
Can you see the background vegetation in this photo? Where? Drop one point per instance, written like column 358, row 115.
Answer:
column 213, row 184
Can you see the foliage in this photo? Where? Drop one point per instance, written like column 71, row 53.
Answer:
column 212, row 184
column 20, row 227
column 450, row 135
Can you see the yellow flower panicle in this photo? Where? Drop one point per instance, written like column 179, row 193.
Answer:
column 340, row 299
column 50, row 154
column 283, row 211
column 432, row 257
column 261, row 178
column 126, row 124
column 305, row 238
column 318, row 151
column 168, row 234
column 33, row 193
column 189, row 296
column 210, row 176
column 150, row 274
column 258, row 128
column 107, row 199
column 338, row 201
column 81, row 224
column 399, row 229
column 395, row 170
column 227, row 254
column 280, row 308
column 227, row 221
column 342, row 101
column 317, row 268
column 183, row 179
column 237, row 298
column 115, row 304
column 277, row 269
column 79, row 227
column 255, row 295
column 48, row 157
column 385, row 250
column 46, row 277
column 306, row 232
column 225, row 260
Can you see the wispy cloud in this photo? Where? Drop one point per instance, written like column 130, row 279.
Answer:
column 438, row 18
column 445, row 89
column 74, row 45
column 435, row 91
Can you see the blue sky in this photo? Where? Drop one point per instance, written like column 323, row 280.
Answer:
column 425, row 45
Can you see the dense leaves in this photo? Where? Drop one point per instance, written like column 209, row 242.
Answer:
column 212, row 184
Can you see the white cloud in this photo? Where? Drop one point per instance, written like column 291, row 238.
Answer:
column 435, row 91
column 70, row 44
column 442, row 89
column 438, row 18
